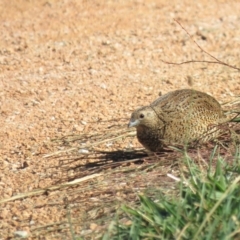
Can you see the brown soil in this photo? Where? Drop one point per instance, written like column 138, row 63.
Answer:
column 68, row 67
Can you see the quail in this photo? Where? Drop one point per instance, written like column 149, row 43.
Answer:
column 177, row 117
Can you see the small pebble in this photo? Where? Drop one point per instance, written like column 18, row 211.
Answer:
column 84, row 151
column 22, row 234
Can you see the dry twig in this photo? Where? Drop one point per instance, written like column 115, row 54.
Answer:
column 199, row 61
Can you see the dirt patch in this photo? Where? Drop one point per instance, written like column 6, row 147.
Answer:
column 73, row 67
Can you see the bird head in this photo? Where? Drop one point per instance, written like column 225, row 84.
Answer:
column 144, row 116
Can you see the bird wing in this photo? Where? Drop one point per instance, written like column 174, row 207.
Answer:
column 184, row 103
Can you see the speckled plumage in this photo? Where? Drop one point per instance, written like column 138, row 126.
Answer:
column 178, row 117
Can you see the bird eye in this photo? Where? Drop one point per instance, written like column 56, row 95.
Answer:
column 141, row 115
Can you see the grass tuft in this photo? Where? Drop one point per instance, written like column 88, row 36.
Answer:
column 207, row 207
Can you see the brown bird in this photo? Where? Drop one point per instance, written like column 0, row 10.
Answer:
column 177, row 117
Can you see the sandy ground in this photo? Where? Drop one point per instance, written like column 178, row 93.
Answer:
column 65, row 65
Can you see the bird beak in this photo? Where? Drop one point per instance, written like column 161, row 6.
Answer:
column 133, row 123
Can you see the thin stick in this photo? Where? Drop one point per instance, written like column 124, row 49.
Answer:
column 200, row 61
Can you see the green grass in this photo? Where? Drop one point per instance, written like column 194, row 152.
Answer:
column 206, row 205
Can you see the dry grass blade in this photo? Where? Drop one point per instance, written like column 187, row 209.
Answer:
column 232, row 110
column 52, row 188
column 88, row 141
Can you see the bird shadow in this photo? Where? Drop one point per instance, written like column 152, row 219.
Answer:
column 82, row 165
column 117, row 157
